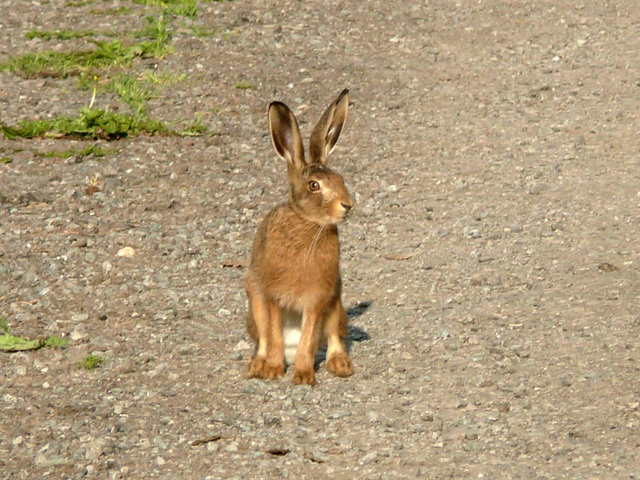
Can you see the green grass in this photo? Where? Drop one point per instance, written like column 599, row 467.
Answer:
column 59, row 34
column 131, row 90
column 55, row 341
column 10, row 343
column 106, row 60
column 73, row 152
column 154, row 42
column 79, row 3
column 157, row 31
column 135, row 90
column 65, row 64
column 90, row 362
column 195, row 128
column 91, row 124
column 203, row 32
column 243, row 85
column 184, row 8
column 5, row 160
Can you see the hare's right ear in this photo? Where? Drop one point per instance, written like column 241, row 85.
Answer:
column 285, row 135
column 327, row 131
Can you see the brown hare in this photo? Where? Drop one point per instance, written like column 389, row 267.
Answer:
column 293, row 283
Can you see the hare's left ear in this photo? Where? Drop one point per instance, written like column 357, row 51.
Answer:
column 285, row 136
column 327, row 131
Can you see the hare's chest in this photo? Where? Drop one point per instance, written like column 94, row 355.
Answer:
column 305, row 288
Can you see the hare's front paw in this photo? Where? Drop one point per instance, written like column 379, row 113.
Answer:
column 261, row 368
column 340, row 365
column 256, row 367
column 273, row 370
column 304, row 377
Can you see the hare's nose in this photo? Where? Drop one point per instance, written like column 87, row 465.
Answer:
column 346, row 206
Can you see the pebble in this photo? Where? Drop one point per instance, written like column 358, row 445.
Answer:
column 126, row 366
column 242, row 346
column 370, row 457
column 93, row 450
column 126, row 252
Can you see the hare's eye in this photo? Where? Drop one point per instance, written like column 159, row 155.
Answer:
column 314, row 186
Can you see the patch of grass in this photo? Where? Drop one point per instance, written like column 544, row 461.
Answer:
column 106, row 54
column 95, row 124
column 163, row 78
column 55, row 341
column 4, row 325
column 10, row 343
column 131, row 90
column 203, row 32
column 243, row 85
column 5, row 160
column 65, row 64
column 195, row 128
column 157, row 30
column 135, row 90
column 79, row 3
column 59, row 34
column 90, row 362
column 72, row 152
column 184, row 8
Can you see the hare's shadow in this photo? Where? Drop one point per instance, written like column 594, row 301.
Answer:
column 354, row 334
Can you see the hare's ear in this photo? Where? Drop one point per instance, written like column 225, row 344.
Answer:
column 327, row 131
column 285, row 135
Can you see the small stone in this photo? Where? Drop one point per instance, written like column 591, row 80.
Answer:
column 126, row 252
column 79, row 333
column 369, row 458
column 231, row 448
column 160, row 461
column 241, row 346
column 427, row 417
column 93, row 450
column 127, row 366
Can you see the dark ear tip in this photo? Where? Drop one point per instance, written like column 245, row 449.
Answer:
column 277, row 104
column 344, row 92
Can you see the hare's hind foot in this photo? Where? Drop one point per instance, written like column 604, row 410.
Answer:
column 340, row 365
column 259, row 367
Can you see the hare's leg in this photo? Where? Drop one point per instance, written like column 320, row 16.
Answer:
column 258, row 325
column 309, row 339
column 274, row 367
column 335, row 329
column 264, row 324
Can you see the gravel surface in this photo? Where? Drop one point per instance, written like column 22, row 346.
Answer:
column 491, row 264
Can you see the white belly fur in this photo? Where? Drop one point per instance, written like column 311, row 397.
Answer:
column 291, row 331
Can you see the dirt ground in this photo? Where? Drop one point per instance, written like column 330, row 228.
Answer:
column 491, row 266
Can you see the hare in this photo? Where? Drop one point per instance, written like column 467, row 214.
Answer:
column 293, row 283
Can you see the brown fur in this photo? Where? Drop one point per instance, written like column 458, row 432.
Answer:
column 295, row 260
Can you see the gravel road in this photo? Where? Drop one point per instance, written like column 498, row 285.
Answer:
column 491, row 266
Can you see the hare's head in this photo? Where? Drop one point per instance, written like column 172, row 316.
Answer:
column 318, row 194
